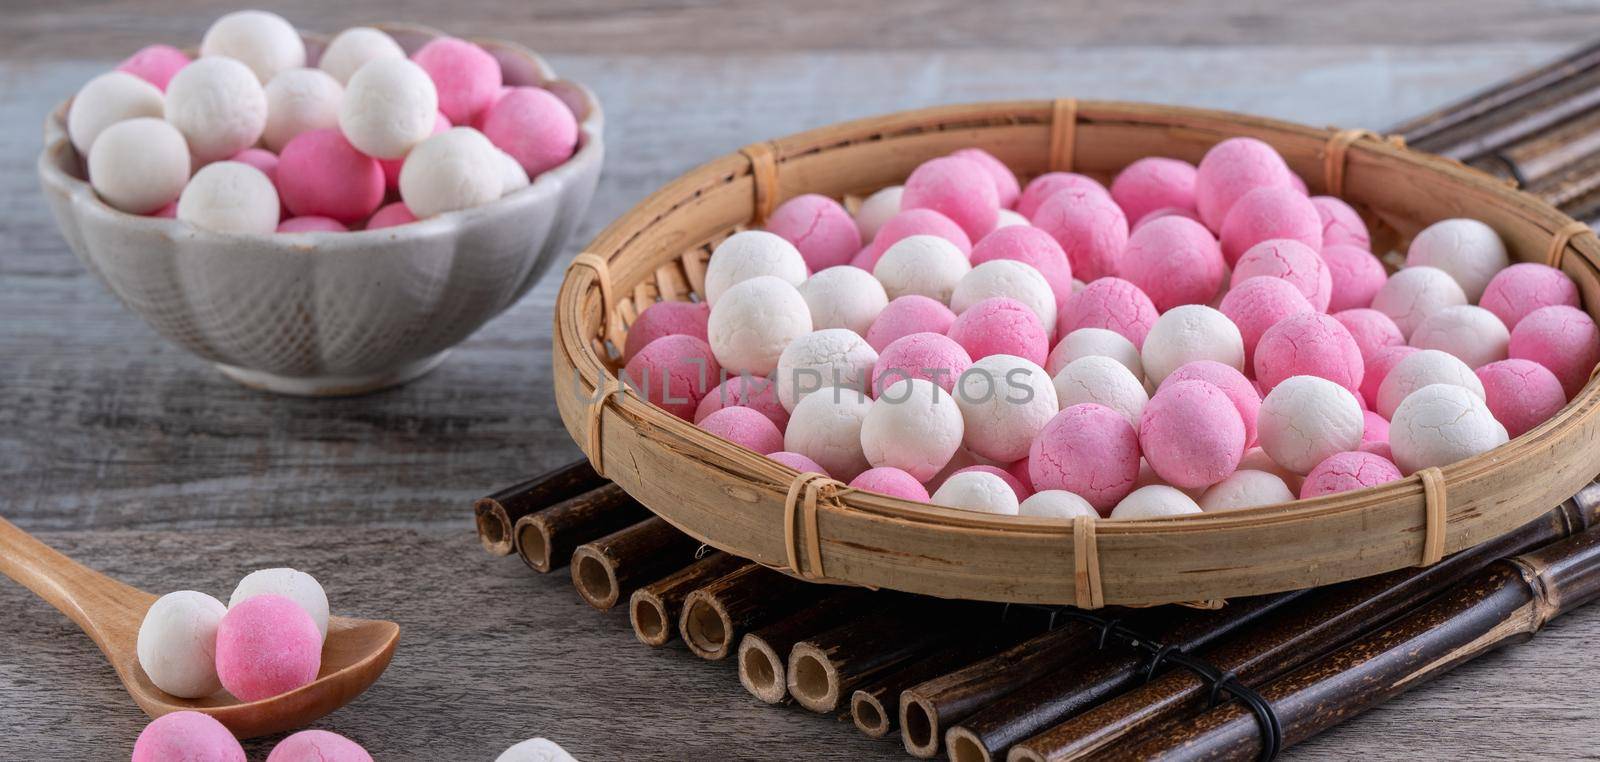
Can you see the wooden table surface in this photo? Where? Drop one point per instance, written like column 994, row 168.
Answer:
column 144, row 462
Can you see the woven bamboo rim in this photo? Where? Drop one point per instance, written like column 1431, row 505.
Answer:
column 743, row 503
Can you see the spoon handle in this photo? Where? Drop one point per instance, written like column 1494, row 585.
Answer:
column 105, row 608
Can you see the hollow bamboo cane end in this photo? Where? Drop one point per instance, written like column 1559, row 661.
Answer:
column 813, row 680
column 532, row 543
column 652, row 624
column 494, row 526
column 871, row 717
column 919, row 726
column 963, row 746
column 595, row 578
column 762, row 671
column 705, row 627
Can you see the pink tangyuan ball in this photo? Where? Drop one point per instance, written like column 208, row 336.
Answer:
column 907, row 223
column 1374, row 428
column 1310, row 344
column 1166, row 211
column 1243, row 394
column 1090, row 450
column 666, row 319
column 1175, row 261
column 674, row 373
column 935, row 357
column 1031, row 246
column 320, row 174
column 533, row 126
column 1050, row 183
column 391, row 215
column 912, row 313
column 267, row 645
column 155, row 64
column 1372, row 330
column 754, row 392
column 819, row 227
column 1377, row 367
column 959, row 188
column 1232, row 169
column 1110, row 303
column 311, row 225
column 1521, row 394
column 1265, row 214
column 318, row 746
column 1191, row 434
column 1292, row 261
column 1011, row 480
column 1259, row 303
column 185, row 736
column 1561, row 338
column 1000, row 325
column 745, row 427
column 1091, row 229
column 1356, row 276
column 467, row 77
column 1524, row 287
column 1005, row 181
column 891, row 481
column 798, row 462
column 1346, row 471
column 1341, row 224
column 1154, row 183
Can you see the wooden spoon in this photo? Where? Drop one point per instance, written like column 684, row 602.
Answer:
column 355, row 653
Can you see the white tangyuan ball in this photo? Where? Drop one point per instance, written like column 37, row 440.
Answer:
column 177, row 643
column 230, row 197
column 1010, row 279
column 218, row 105
column 297, row 586
column 1086, row 342
column 536, row 750
column 826, row 427
column 978, row 491
column 1305, row 419
column 1257, row 459
column 1440, row 424
column 351, row 49
column 844, row 297
column 877, row 209
column 455, row 169
column 139, row 165
column 1154, row 501
column 263, row 41
column 1103, row 381
column 1419, row 369
column 754, row 322
column 926, row 265
column 110, row 98
column 1056, row 504
column 1468, row 250
column 1187, row 333
column 512, row 176
column 300, row 100
column 829, row 357
column 1245, row 489
column 1471, row 333
column 390, row 105
column 1408, row 297
column 1008, row 219
column 751, row 254
column 1005, row 401
column 914, row 426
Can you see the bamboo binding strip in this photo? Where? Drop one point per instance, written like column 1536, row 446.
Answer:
column 1562, row 237
column 748, row 505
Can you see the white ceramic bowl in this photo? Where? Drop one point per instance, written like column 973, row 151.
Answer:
column 333, row 313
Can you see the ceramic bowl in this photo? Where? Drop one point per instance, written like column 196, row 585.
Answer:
column 333, row 313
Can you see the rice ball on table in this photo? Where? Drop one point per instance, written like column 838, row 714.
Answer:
column 263, row 41
column 877, row 209
column 1378, row 366
column 750, row 254
column 352, row 48
column 1561, row 338
column 922, row 264
column 319, row 746
column 754, row 392
column 1258, row 304
column 820, row 359
column 1292, row 261
column 906, row 315
column 819, row 228
column 1346, row 471
column 1030, row 246
column 1152, row 183
column 1103, row 381
column 186, row 735
column 930, row 356
column 177, row 638
column 1005, row 401
column 753, row 323
column 1245, row 488
column 230, row 197
column 1411, row 295
column 109, row 99
column 1305, row 419
column 744, row 427
column 1521, row 394
column 1356, row 275
column 958, row 188
column 1441, row 424
column 1239, row 390
column 1110, row 303
column 296, row 585
column 390, row 105
column 1467, row 250
column 1175, row 261
column 1191, row 434
column 267, row 645
column 1057, row 504
column 1155, row 501
column 844, row 297
column 1089, row 450
column 826, row 427
column 1309, row 344
column 909, row 223
column 1006, row 278
column 914, row 426
column 1472, row 334
column 218, row 105
column 1231, row 169
column 1187, row 333
column 1041, row 188
column 1001, row 326
column 1372, row 330
column 1267, row 214
column 977, row 491
column 1006, row 187
column 1092, row 230
column 1419, row 369
column 300, row 100
column 674, row 373
column 1089, row 342
column 892, row 482
column 664, row 319
column 1524, row 287
column 139, row 165
column 1341, row 225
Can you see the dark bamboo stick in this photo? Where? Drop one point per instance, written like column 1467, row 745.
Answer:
column 654, row 608
column 715, row 616
column 1300, row 632
column 1521, row 122
column 1506, row 603
column 874, row 705
column 826, row 668
column 764, row 653
column 611, row 567
column 1422, row 129
column 1052, row 698
column 496, row 514
column 545, row 539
